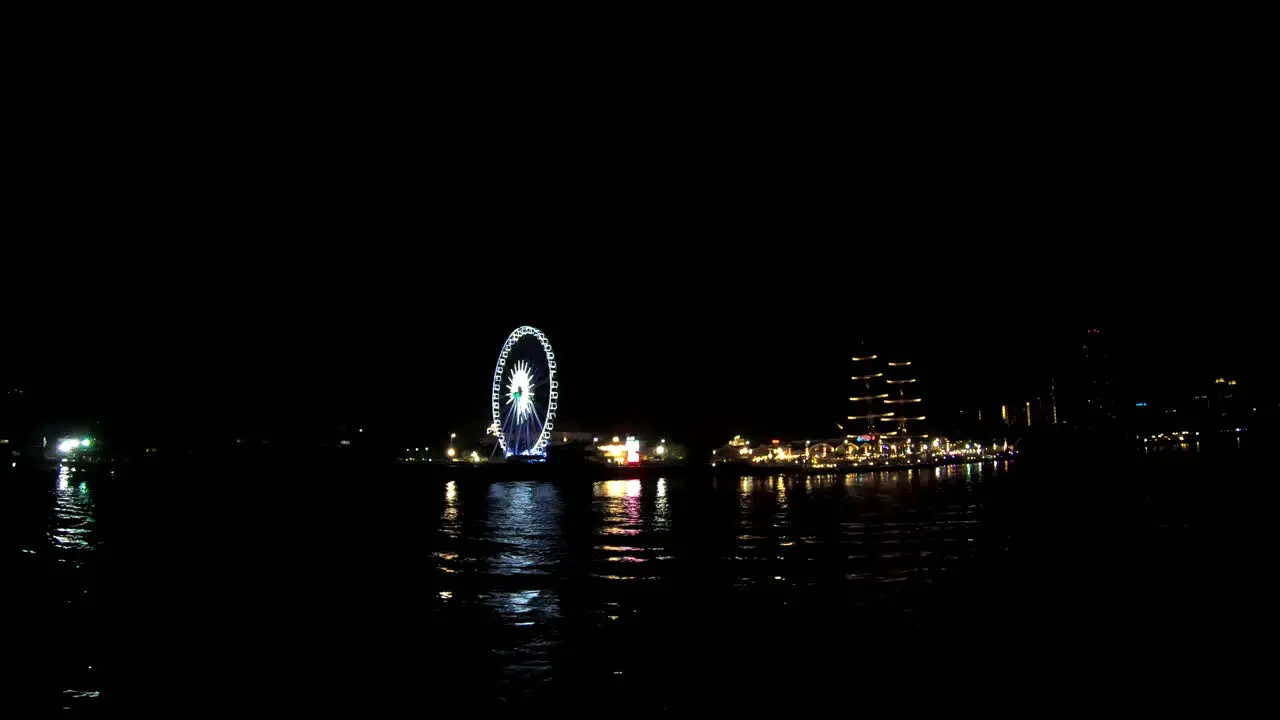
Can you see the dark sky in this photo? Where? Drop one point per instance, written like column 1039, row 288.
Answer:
column 692, row 353
column 704, row 253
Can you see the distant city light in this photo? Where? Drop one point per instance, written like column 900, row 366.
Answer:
column 451, row 452
column 1141, row 404
column 67, row 446
column 85, row 442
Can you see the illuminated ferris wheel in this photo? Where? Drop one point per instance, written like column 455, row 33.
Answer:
column 525, row 394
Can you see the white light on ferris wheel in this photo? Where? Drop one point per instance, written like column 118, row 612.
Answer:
column 520, row 389
column 525, row 393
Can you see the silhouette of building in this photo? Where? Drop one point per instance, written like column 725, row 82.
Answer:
column 1095, row 402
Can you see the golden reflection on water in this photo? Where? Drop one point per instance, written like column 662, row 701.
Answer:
column 621, row 546
column 622, row 488
column 450, row 514
column 634, row 519
column 621, row 506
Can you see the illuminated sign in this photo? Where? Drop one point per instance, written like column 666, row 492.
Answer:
column 628, row 452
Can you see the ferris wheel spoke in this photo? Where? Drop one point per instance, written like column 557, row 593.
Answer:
column 537, row 420
column 509, row 427
column 511, row 423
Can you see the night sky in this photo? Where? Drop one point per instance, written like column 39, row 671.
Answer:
column 695, row 355
column 701, row 271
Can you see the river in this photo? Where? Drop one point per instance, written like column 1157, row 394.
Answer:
column 618, row 594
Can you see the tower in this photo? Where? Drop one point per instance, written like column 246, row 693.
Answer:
column 886, row 397
column 1094, row 377
column 903, row 402
column 868, row 381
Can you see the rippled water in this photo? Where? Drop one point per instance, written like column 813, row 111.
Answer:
column 568, row 584
column 307, row 585
column 50, row 527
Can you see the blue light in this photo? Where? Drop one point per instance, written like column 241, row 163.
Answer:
column 1140, row 404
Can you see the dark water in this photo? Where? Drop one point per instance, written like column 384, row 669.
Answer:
column 603, row 585
column 360, row 588
column 49, row 538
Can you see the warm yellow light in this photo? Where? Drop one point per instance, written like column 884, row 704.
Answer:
column 451, row 452
column 615, row 438
column 869, row 357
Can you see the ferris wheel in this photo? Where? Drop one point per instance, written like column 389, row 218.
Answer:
column 525, row 394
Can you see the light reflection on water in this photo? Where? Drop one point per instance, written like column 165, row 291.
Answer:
column 71, row 538
column 72, row 520
column 523, row 543
column 537, row 557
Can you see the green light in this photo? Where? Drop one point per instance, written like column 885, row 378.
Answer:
column 86, row 442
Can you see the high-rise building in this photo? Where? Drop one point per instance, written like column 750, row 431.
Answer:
column 1096, row 395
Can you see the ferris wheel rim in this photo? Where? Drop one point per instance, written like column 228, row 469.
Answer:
column 495, row 395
